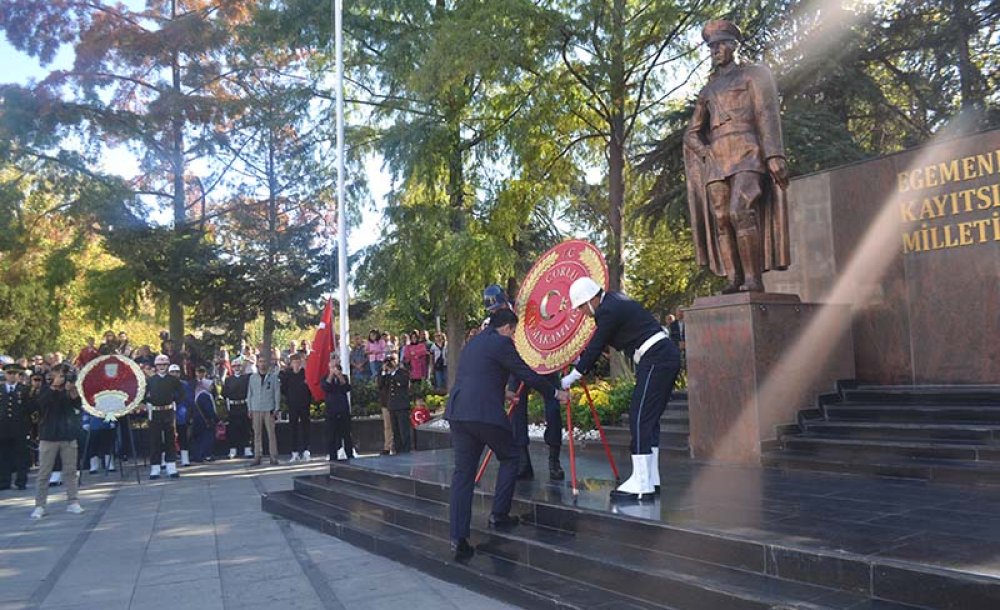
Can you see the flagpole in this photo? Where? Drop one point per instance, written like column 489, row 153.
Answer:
column 341, row 206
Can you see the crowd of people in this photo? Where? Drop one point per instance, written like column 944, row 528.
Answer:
column 195, row 404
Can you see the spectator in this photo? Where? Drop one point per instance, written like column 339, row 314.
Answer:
column 338, row 411
column 101, row 442
column 263, row 400
column 359, row 360
column 203, row 421
column 439, row 356
column 143, row 355
column 298, row 398
column 395, row 382
column 124, row 347
column 110, row 345
column 376, row 349
column 58, row 428
column 415, row 357
column 88, row 353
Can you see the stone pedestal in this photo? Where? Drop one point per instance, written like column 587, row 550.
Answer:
column 754, row 360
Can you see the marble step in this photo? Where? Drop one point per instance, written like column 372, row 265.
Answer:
column 490, row 575
column 982, row 395
column 862, row 448
column 927, row 431
column 852, row 557
column 652, row 576
column 940, row 471
column 970, row 414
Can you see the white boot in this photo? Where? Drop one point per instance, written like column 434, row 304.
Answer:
column 294, row 458
column 95, row 464
column 638, row 486
column 154, row 471
column 185, row 458
column 109, row 463
column 341, row 454
column 305, row 456
column 232, row 453
column 163, row 460
column 55, row 478
column 172, row 470
column 247, row 452
column 654, row 470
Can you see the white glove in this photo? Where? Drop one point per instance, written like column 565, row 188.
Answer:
column 570, row 379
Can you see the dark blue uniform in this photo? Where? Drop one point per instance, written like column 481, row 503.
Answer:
column 625, row 325
column 477, row 417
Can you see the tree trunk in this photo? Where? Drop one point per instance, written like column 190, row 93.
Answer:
column 268, row 334
column 455, row 329
column 616, row 147
column 970, row 78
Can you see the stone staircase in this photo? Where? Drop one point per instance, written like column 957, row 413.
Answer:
column 942, row 433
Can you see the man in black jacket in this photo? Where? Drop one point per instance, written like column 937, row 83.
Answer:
column 58, row 429
column 298, row 398
column 15, row 412
column 478, row 419
column 395, row 382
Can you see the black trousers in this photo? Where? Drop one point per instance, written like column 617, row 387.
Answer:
column 655, row 376
column 162, row 428
column 338, row 434
column 101, row 443
column 238, row 427
column 553, row 416
column 298, row 419
column 182, row 437
column 13, row 461
column 468, row 440
column 400, row 430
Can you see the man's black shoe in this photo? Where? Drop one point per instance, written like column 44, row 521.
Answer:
column 503, row 520
column 5, row 488
column 462, row 549
column 22, row 486
column 385, row 452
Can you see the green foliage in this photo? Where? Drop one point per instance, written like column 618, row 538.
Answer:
column 611, row 401
column 364, row 399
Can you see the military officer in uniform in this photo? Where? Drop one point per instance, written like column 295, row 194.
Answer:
column 626, row 326
column 734, row 159
column 476, row 414
column 163, row 392
column 234, row 390
column 15, row 413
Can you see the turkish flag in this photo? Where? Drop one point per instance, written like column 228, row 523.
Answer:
column 318, row 363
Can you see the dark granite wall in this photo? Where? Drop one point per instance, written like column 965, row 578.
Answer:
column 924, row 316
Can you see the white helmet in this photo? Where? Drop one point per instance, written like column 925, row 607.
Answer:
column 582, row 290
column 161, row 359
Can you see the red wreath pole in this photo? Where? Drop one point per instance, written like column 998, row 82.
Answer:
column 600, row 429
column 572, row 451
column 489, row 452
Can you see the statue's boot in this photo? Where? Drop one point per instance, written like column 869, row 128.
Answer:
column 734, row 272
column 750, row 256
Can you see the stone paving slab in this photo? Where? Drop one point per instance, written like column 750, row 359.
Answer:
column 197, row 542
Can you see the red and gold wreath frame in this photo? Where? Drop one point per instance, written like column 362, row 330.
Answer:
column 552, row 334
column 111, row 386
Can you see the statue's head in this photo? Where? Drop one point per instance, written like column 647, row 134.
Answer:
column 722, row 38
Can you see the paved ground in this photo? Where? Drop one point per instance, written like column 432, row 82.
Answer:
column 200, row 542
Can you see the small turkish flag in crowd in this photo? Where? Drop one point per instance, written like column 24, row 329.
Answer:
column 318, row 363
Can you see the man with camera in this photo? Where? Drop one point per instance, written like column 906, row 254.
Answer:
column 336, row 388
column 58, row 428
column 395, row 382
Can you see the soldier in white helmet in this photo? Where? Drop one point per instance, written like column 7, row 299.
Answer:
column 163, row 392
column 626, row 326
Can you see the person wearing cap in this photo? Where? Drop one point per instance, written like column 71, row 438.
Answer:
column 263, row 400
column 735, row 165
column 234, row 390
column 16, row 407
column 394, row 382
column 163, row 393
column 627, row 327
column 477, row 416
column 184, row 408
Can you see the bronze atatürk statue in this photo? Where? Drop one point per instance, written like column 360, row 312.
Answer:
column 735, row 166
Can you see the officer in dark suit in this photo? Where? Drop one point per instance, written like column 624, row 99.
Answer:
column 395, row 382
column 477, row 418
column 15, row 412
column 626, row 326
